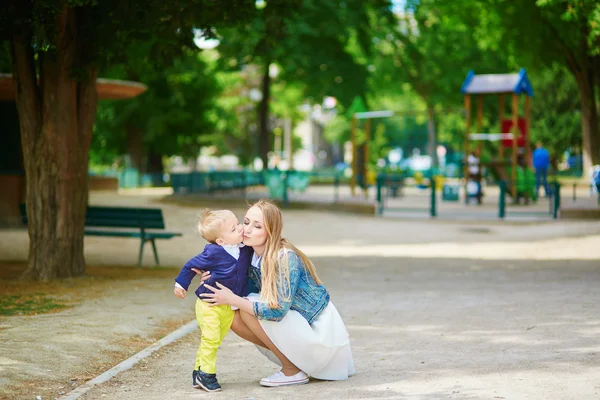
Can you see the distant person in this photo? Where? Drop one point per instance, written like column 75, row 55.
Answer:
column 541, row 163
column 474, row 177
column 228, row 261
column 595, row 181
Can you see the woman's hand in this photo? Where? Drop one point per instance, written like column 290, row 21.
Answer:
column 222, row 295
column 204, row 275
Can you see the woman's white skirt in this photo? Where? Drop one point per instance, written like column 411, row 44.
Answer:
column 322, row 349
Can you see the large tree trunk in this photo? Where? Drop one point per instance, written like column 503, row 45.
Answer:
column 264, row 134
column 586, row 71
column 56, row 117
column 589, row 118
column 590, row 130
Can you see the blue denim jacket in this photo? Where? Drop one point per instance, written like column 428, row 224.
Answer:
column 307, row 297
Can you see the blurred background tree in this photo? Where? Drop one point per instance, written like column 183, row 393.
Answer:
column 57, row 49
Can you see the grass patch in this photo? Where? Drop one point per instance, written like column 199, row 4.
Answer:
column 22, row 298
column 29, row 304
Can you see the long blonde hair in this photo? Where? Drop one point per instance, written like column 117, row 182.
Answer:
column 274, row 265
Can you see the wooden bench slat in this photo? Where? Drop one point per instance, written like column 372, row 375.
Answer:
column 92, row 232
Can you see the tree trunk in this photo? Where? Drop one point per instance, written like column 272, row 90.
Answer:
column 56, row 117
column 586, row 71
column 155, row 168
column 135, row 148
column 264, row 135
column 589, row 121
column 155, row 163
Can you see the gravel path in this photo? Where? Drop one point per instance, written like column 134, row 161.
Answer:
column 423, row 329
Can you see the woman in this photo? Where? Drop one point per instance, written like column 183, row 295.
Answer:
column 292, row 320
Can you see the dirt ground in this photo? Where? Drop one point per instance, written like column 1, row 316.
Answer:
column 423, row 329
column 435, row 310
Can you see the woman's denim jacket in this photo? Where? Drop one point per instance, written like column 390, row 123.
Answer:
column 307, row 297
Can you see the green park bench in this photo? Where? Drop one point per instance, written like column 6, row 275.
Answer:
column 142, row 223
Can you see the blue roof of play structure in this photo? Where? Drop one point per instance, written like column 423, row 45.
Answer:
column 497, row 83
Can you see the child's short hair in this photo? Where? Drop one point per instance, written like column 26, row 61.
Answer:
column 211, row 222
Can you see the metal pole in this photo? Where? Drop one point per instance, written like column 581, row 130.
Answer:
column 379, row 199
column 286, row 201
column 287, row 142
column 433, row 211
column 515, row 129
column 244, row 183
column 336, row 187
column 354, row 157
column 502, row 202
column 556, row 200
column 466, row 144
column 365, row 165
column 501, row 104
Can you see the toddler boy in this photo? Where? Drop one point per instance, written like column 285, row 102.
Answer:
column 227, row 260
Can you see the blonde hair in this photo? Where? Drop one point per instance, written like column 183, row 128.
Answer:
column 274, row 265
column 211, row 223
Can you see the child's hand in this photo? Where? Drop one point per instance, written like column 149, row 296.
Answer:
column 179, row 292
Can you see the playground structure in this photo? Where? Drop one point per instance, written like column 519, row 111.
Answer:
column 367, row 116
column 517, row 177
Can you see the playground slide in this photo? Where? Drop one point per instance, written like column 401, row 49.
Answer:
column 525, row 179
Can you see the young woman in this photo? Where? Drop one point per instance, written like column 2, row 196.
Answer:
column 291, row 320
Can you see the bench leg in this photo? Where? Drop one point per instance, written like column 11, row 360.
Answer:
column 155, row 252
column 142, row 242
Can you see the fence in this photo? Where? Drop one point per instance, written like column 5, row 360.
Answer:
column 211, row 182
column 435, row 198
column 278, row 183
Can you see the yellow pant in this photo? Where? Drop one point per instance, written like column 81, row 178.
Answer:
column 214, row 323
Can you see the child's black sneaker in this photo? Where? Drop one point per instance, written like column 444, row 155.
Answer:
column 195, row 379
column 205, row 381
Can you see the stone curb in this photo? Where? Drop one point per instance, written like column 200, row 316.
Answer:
column 131, row 361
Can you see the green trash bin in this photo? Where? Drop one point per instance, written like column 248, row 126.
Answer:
column 450, row 192
column 274, row 182
column 298, row 181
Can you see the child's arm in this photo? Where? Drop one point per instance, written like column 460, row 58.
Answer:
column 202, row 261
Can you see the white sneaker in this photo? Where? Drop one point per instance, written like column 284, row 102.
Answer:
column 279, row 379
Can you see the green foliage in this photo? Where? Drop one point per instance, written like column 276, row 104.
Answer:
column 175, row 115
column 556, row 111
column 432, row 48
column 337, row 129
column 308, row 41
column 5, row 58
column 108, row 28
column 379, row 145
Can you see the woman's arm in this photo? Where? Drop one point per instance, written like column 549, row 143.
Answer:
column 223, row 295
